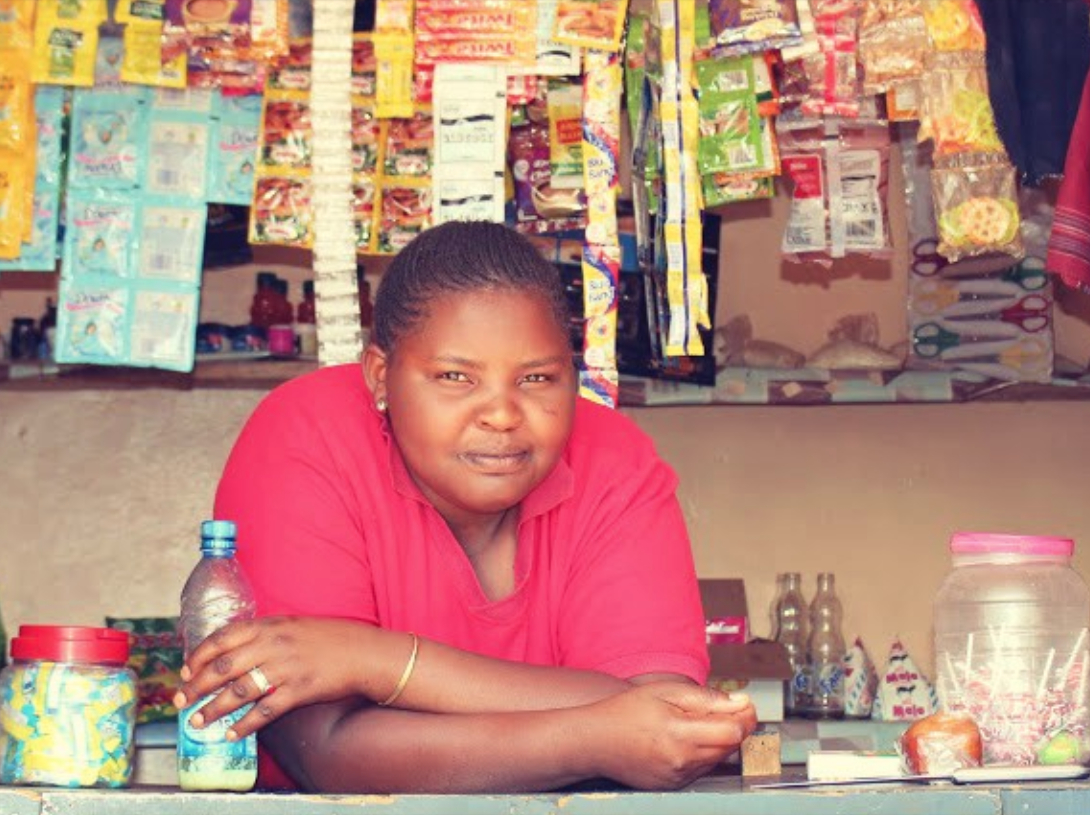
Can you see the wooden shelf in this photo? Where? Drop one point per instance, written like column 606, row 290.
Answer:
column 265, row 373
column 255, row 374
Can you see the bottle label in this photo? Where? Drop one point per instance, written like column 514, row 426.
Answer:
column 829, row 680
column 211, row 740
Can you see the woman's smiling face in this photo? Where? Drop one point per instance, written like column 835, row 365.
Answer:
column 481, row 397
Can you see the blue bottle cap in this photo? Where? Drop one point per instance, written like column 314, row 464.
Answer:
column 218, row 536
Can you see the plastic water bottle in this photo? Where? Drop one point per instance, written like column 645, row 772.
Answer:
column 791, row 630
column 1012, row 647
column 826, row 652
column 216, row 593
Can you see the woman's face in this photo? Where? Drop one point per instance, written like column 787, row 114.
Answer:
column 480, row 400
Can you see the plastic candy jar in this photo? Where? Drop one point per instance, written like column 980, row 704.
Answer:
column 67, row 708
column 1011, row 646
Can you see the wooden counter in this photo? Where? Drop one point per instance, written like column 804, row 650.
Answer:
column 713, row 796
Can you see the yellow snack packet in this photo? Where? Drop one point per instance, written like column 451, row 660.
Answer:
column 65, row 42
column 143, row 37
column 13, row 194
column 16, row 25
column 15, row 100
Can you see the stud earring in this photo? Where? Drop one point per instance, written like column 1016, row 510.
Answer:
column 380, row 405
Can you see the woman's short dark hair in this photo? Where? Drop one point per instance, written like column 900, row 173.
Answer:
column 459, row 257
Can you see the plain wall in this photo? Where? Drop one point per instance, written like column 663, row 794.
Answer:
column 103, row 492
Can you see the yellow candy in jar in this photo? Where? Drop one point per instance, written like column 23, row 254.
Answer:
column 67, row 708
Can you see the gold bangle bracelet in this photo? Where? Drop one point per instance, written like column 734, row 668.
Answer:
column 406, row 674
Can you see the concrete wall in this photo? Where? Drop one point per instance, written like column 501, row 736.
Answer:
column 102, row 493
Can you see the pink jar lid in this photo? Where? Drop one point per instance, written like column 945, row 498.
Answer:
column 986, row 543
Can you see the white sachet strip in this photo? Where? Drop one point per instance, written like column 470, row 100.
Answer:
column 337, row 306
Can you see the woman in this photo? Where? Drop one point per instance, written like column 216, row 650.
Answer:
column 468, row 579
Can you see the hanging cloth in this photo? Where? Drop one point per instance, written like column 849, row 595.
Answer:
column 1069, row 243
column 1037, row 56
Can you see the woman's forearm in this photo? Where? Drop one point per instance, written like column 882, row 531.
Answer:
column 367, row 749
column 453, row 681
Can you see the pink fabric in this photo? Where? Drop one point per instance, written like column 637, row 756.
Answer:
column 1069, row 241
column 331, row 524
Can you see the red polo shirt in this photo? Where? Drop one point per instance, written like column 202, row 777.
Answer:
column 331, row 524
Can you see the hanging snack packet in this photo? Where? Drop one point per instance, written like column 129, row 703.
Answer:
column 363, row 211
column 730, row 133
column 475, row 31
column 365, row 136
column 285, row 132
column 976, row 205
column 363, row 65
column 893, row 43
column 143, row 46
column 108, row 143
column 410, row 145
column 405, row 212
column 858, row 170
column 590, row 23
column 957, row 111
column 235, row 138
column 282, row 211
column 954, row 25
column 748, row 26
column 15, row 186
column 540, row 207
column 17, row 25
column 91, row 320
column 802, row 158
column 565, row 106
column 65, row 42
column 834, row 84
column 16, row 109
column 269, row 29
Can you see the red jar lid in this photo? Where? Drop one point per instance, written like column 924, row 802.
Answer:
column 70, row 643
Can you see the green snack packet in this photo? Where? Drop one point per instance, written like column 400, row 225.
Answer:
column 156, row 657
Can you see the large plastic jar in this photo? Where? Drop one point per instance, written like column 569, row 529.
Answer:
column 1011, row 646
column 67, row 708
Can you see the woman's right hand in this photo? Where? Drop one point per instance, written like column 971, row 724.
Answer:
column 665, row 735
column 304, row 660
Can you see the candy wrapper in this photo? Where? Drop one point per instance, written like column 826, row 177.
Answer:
column 155, row 656
column 860, row 682
column 892, row 43
column 976, row 205
column 904, row 693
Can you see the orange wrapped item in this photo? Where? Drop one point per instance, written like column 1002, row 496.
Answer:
column 941, row 743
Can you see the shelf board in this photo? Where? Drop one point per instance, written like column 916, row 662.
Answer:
column 263, row 373
column 249, row 374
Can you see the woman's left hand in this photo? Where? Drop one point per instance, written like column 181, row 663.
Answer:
column 277, row 664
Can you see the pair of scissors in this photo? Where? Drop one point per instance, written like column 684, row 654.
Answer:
column 933, row 340
column 948, row 296
column 1030, row 275
column 926, row 260
column 1029, row 357
column 1032, row 313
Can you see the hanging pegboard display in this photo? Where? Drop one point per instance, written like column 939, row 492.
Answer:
column 347, row 134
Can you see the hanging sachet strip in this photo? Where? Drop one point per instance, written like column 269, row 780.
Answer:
column 601, row 249
column 686, row 287
column 334, row 231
